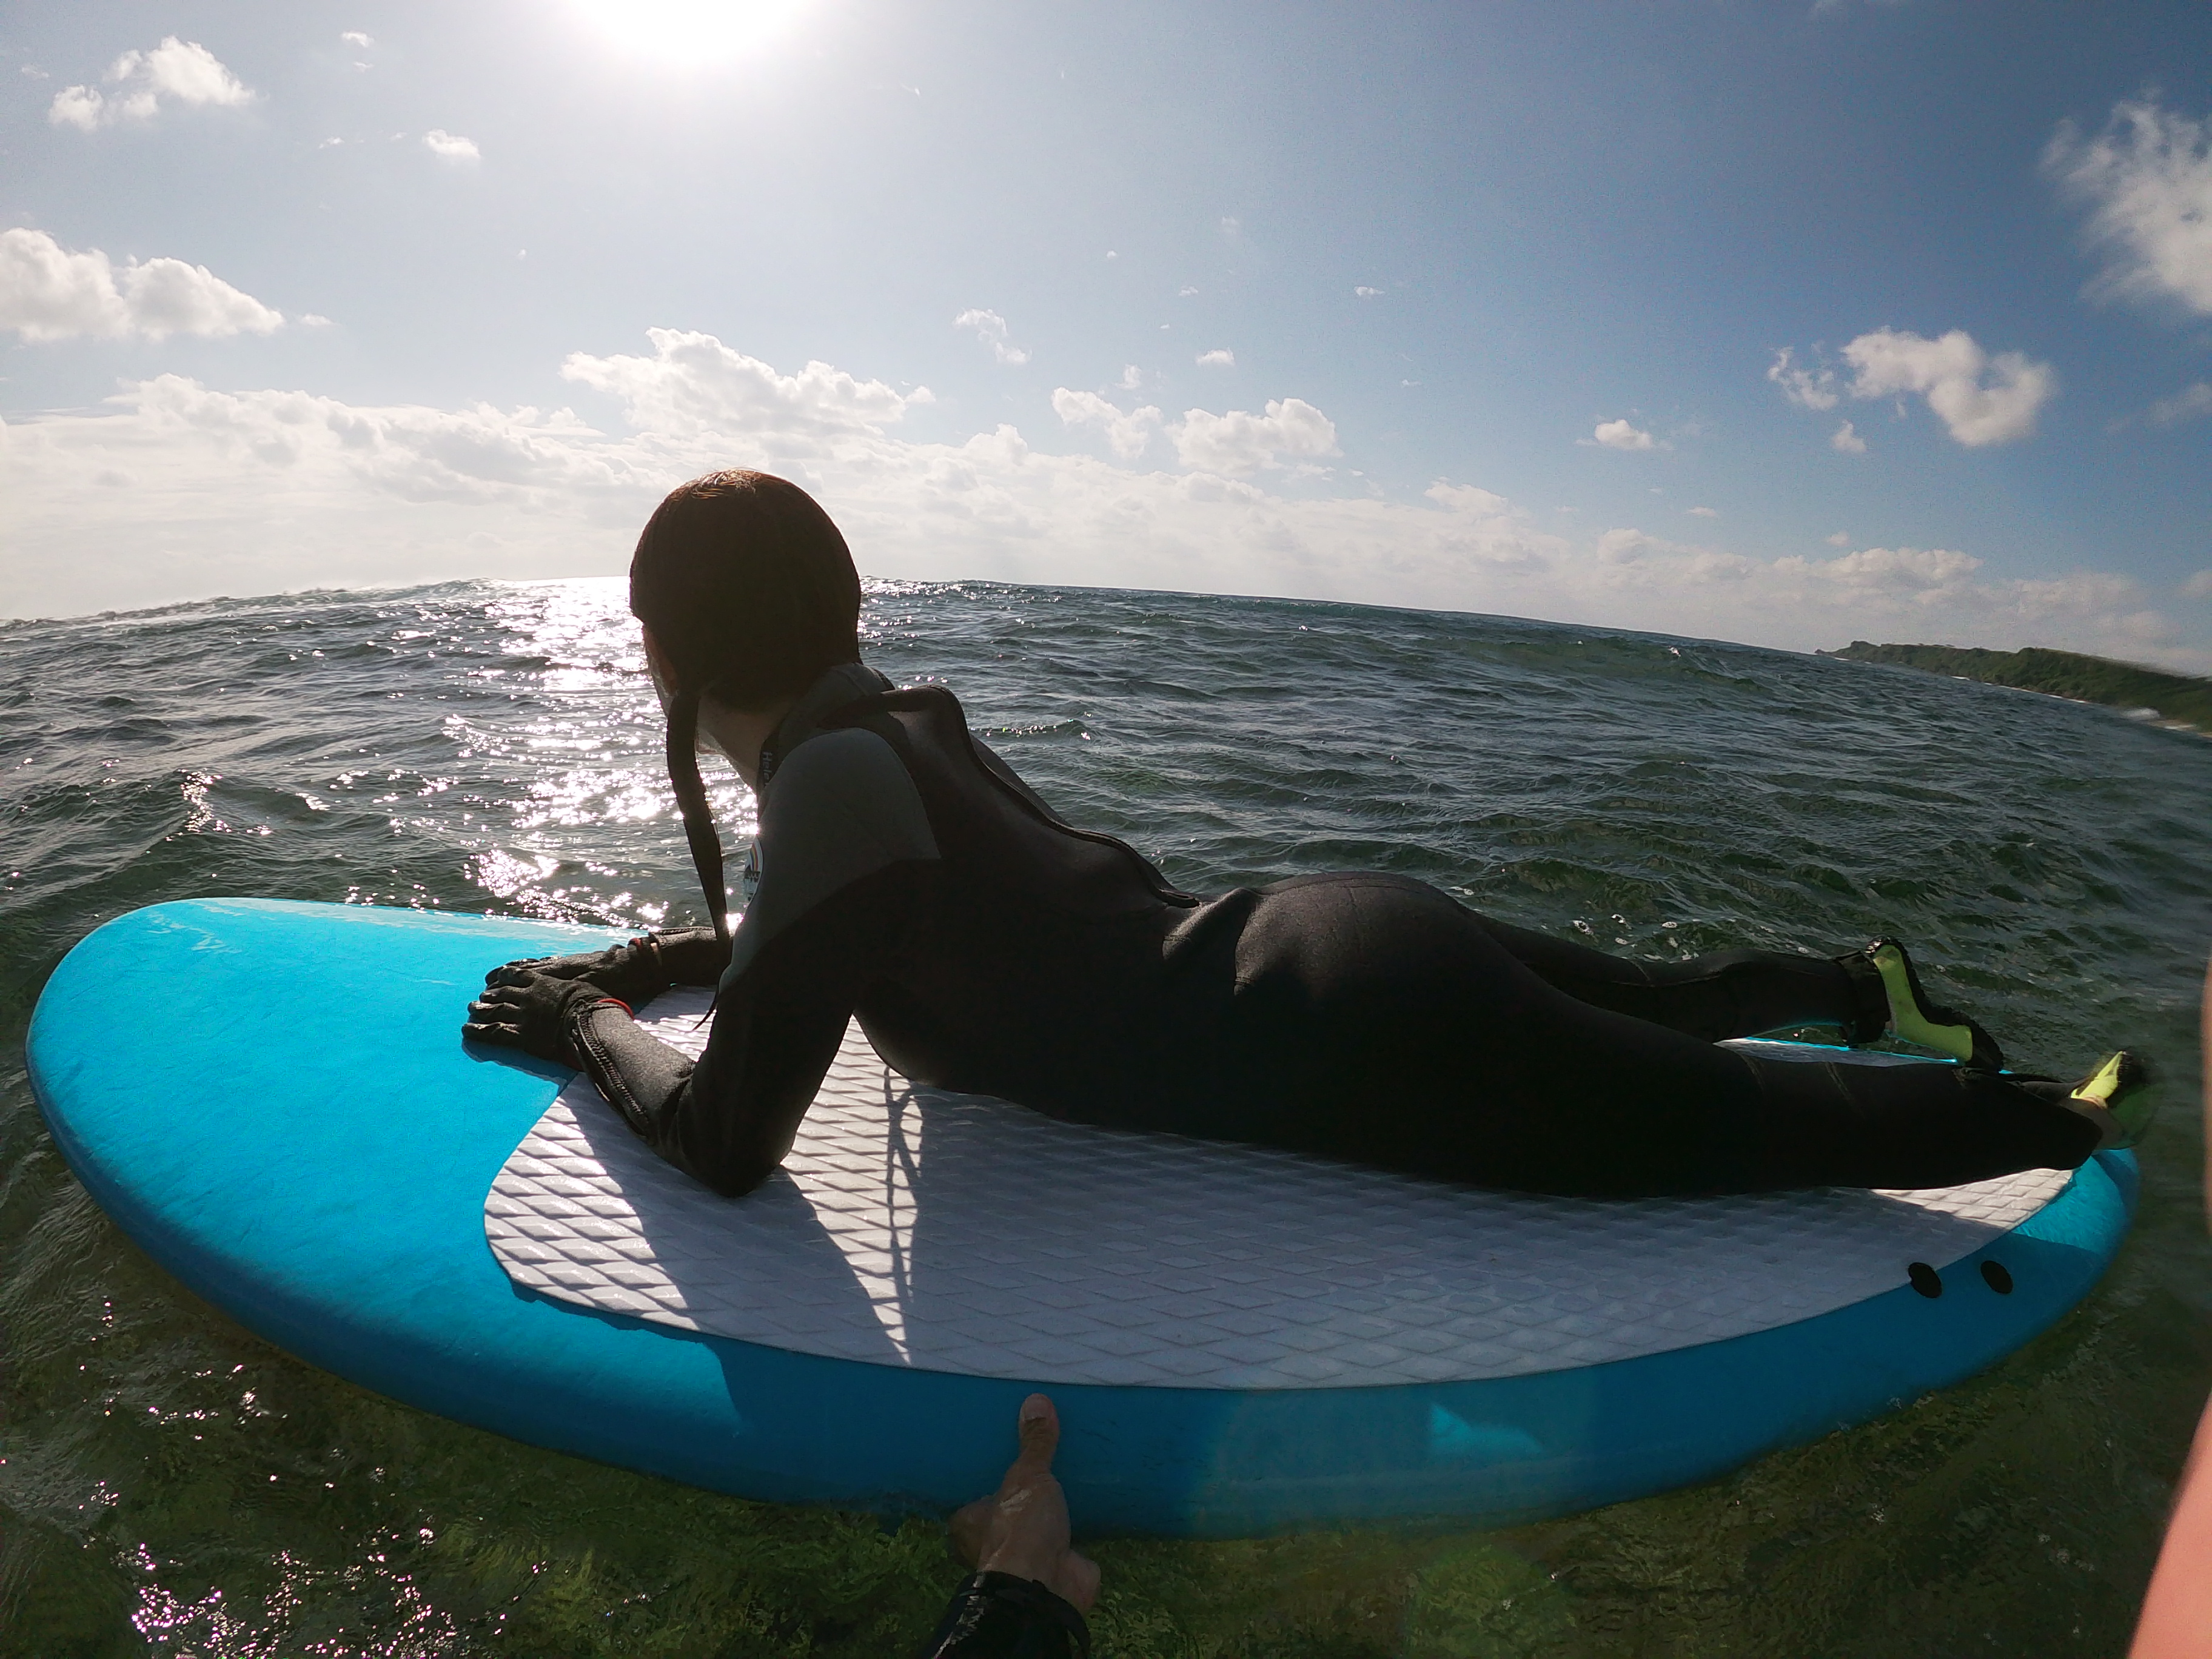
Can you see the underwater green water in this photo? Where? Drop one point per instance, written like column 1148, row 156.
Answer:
column 173, row 1485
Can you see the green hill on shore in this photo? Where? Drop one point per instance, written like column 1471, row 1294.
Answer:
column 2177, row 697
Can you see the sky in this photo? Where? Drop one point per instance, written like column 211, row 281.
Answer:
column 1790, row 323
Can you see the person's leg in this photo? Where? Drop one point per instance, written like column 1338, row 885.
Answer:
column 1377, row 1020
column 1743, row 993
column 1723, row 994
column 1844, row 1124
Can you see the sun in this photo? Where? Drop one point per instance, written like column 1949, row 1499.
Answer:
column 684, row 32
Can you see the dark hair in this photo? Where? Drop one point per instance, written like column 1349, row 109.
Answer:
column 750, row 595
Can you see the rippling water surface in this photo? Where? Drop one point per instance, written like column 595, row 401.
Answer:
column 170, row 1485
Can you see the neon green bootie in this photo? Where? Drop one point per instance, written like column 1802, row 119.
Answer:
column 2118, row 1095
column 1913, row 1018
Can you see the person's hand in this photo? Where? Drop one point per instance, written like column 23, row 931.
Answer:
column 530, row 1012
column 1022, row 1529
column 633, row 972
column 572, row 967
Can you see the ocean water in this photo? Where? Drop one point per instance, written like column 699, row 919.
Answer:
column 169, row 1484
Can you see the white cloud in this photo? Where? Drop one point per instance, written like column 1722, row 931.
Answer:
column 1981, row 399
column 1220, row 357
column 1702, row 566
column 1619, row 434
column 991, row 328
column 48, row 293
column 1132, row 378
column 1128, row 434
column 1624, row 546
column 1471, row 498
column 354, row 38
column 2199, row 586
column 176, row 71
column 2148, row 179
column 78, row 106
column 1841, row 539
column 1239, row 443
column 450, row 146
column 174, row 490
column 1367, row 292
column 1703, row 513
column 2185, row 404
column 1185, row 292
column 695, row 384
column 1806, row 388
column 1910, row 568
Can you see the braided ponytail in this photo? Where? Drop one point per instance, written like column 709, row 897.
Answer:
column 691, row 801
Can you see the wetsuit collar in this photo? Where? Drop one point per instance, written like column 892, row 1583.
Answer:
column 846, row 683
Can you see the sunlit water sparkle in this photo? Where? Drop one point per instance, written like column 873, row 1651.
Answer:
column 169, row 1484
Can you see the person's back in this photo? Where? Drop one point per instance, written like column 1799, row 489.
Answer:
column 1028, row 957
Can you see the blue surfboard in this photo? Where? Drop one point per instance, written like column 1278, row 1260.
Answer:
column 1239, row 1341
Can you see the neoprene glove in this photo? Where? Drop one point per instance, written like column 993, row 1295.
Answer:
column 637, row 972
column 533, row 1011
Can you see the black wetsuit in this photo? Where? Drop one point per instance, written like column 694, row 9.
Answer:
column 996, row 1615
column 908, row 876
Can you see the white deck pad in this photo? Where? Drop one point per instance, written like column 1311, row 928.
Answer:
column 913, row 1227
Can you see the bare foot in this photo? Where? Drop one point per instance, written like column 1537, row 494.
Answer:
column 1022, row 1529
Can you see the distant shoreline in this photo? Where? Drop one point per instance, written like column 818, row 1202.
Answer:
column 2176, row 701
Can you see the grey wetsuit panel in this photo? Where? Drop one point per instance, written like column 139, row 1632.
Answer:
column 840, row 808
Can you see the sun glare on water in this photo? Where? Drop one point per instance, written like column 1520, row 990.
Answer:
column 686, row 32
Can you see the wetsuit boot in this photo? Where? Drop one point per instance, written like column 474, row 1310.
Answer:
column 2116, row 1097
column 1891, row 1002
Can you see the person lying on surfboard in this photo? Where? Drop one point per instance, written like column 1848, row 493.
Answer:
column 907, row 877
